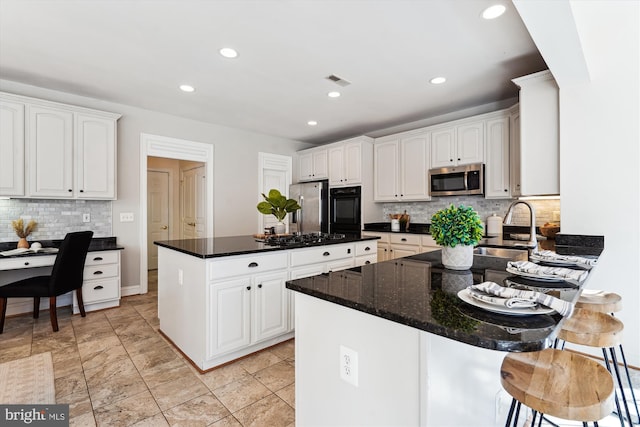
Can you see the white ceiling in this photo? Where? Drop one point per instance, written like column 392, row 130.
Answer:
column 138, row 52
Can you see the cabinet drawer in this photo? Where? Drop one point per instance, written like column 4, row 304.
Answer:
column 427, row 240
column 27, row 262
column 366, row 248
column 405, row 239
column 97, row 258
column 100, row 290
column 101, row 271
column 321, row 254
column 366, row 259
column 384, row 237
column 242, row 265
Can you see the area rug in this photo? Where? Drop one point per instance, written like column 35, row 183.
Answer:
column 28, row 380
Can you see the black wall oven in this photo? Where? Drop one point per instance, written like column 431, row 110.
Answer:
column 344, row 212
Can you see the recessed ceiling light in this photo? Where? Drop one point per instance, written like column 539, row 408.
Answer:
column 494, row 11
column 438, row 80
column 333, row 94
column 312, row 123
column 227, row 52
column 187, row 88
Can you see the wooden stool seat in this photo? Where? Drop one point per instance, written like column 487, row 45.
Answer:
column 601, row 301
column 559, row 383
column 592, row 328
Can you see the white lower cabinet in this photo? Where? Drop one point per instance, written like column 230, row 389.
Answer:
column 398, row 245
column 246, row 310
column 101, row 286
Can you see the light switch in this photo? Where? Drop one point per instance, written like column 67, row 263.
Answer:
column 126, row 216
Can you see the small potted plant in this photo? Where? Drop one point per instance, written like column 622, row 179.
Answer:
column 279, row 206
column 457, row 230
column 22, row 232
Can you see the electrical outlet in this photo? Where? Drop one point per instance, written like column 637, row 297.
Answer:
column 86, row 217
column 349, row 365
column 126, row 216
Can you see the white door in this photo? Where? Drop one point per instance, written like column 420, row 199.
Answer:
column 157, row 213
column 193, row 196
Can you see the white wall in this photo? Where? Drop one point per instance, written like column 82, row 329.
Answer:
column 236, row 167
column 600, row 138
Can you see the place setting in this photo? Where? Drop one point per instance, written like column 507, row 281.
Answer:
column 510, row 301
column 534, row 271
column 553, row 259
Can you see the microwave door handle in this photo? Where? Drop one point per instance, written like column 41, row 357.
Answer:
column 466, row 180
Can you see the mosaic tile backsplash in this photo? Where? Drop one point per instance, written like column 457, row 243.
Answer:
column 546, row 210
column 55, row 218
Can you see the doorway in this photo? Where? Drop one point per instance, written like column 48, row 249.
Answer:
column 181, row 150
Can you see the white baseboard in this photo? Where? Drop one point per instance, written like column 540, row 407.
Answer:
column 129, row 290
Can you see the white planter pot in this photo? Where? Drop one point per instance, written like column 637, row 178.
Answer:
column 280, row 228
column 458, row 258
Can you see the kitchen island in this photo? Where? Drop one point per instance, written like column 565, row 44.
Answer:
column 392, row 344
column 223, row 298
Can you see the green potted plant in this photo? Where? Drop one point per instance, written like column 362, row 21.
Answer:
column 279, row 206
column 457, row 230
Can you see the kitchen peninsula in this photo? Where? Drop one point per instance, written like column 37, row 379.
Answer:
column 397, row 346
column 223, row 298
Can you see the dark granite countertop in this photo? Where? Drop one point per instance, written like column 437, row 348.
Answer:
column 213, row 247
column 419, row 292
column 97, row 244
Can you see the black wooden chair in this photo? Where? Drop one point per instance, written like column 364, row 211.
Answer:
column 66, row 276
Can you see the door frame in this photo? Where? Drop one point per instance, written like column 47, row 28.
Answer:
column 171, row 148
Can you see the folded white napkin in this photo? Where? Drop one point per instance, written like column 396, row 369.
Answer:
column 505, row 302
column 552, row 256
column 541, row 270
column 565, row 308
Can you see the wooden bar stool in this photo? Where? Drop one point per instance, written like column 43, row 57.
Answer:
column 608, row 302
column 595, row 329
column 559, row 383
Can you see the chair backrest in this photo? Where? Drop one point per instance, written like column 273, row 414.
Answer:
column 69, row 265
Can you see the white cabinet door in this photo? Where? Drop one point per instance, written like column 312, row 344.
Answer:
column 50, row 143
column 305, row 166
column 353, row 163
column 11, row 148
column 469, row 143
column 229, row 316
column 320, row 164
column 414, row 168
column 385, row 180
column 336, row 166
column 270, row 308
column 497, row 184
column 95, row 157
column 399, row 251
column 514, row 146
column 443, row 147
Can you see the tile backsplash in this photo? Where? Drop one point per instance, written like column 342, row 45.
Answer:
column 422, row 211
column 55, row 218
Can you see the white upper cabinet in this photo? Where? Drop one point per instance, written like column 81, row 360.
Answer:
column 539, row 135
column 345, row 163
column 496, row 173
column 56, row 150
column 11, row 148
column 457, row 145
column 401, row 163
column 50, row 142
column 95, row 157
column 313, row 164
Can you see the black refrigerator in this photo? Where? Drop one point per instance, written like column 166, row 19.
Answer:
column 313, row 217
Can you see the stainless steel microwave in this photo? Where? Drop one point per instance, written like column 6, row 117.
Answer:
column 457, row 180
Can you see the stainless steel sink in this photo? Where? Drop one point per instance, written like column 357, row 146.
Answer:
column 513, row 254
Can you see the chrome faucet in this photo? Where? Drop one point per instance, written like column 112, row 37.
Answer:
column 533, row 242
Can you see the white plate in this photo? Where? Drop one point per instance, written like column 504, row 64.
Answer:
column 527, row 311
column 558, row 262
column 545, row 278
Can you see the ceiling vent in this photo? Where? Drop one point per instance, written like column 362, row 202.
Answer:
column 338, row 80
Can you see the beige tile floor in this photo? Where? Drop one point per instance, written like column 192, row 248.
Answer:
column 114, row 369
